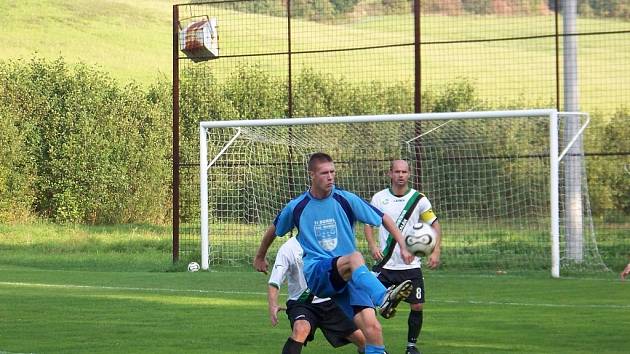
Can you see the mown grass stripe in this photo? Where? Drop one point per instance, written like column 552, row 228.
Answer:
column 232, row 292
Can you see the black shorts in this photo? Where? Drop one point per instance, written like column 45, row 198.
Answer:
column 326, row 316
column 394, row 277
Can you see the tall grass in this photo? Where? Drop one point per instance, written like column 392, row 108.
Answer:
column 111, row 248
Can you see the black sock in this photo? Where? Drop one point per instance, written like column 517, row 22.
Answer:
column 292, row 347
column 415, row 325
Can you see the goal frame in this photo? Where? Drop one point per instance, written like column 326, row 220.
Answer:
column 554, row 155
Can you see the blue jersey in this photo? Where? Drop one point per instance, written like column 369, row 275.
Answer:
column 326, row 226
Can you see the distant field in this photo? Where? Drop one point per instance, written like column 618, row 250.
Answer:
column 132, row 41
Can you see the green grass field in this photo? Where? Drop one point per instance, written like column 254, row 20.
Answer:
column 113, row 289
column 502, row 245
column 130, row 39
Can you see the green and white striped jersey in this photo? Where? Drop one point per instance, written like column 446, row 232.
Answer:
column 417, row 207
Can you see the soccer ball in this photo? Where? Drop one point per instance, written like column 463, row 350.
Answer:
column 193, row 267
column 421, row 240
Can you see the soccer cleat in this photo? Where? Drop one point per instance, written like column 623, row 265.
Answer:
column 412, row 350
column 394, row 295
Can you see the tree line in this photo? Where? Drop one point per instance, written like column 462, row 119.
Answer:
column 326, row 9
column 77, row 146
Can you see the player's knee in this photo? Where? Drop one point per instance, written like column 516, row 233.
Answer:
column 373, row 328
column 348, row 263
column 301, row 329
column 358, row 338
column 356, row 260
column 416, row 307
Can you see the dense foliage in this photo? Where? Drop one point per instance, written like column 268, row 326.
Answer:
column 78, row 147
column 82, row 148
column 325, row 9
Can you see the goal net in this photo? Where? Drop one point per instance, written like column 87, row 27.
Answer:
column 495, row 179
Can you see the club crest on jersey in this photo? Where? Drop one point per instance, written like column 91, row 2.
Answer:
column 326, row 233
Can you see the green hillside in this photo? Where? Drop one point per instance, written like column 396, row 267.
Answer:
column 131, row 39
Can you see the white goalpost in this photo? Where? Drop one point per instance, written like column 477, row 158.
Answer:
column 494, row 178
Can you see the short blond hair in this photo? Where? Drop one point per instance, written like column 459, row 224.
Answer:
column 317, row 158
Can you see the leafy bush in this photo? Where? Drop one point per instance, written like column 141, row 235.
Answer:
column 268, row 7
column 16, row 170
column 100, row 152
column 343, row 6
column 313, row 10
column 609, row 176
column 78, row 147
column 480, row 7
column 606, row 8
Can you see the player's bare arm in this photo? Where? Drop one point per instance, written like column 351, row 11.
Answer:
column 390, row 226
column 260, row 260
column 375, row 250
column 434, row 259
column 272, row 300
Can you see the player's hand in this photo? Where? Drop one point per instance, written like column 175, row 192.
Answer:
column 261, row 264
column 273, row 313
column 434, row 259
column 406, row 255
column 376, row 253
column 625, row 272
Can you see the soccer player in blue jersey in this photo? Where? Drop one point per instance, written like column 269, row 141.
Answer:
column 305, row 311
column 324, row 217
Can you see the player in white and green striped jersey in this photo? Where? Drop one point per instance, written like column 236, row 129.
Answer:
column 305, row 311
column 406, row 206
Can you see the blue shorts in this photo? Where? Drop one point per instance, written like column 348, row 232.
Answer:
column 346, row 295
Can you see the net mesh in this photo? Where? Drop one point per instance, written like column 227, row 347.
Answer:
column 488, row 181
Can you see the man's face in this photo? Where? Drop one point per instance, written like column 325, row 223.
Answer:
column 323, row 177
column 399, row 173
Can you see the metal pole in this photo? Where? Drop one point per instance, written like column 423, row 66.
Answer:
column 417, row 99
column 573, row 160
column 290, row 100
column 290, row 79
column 554, row 195
column 203, row 197
column 417, row 34
column 557, row 49
column 175, row 181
